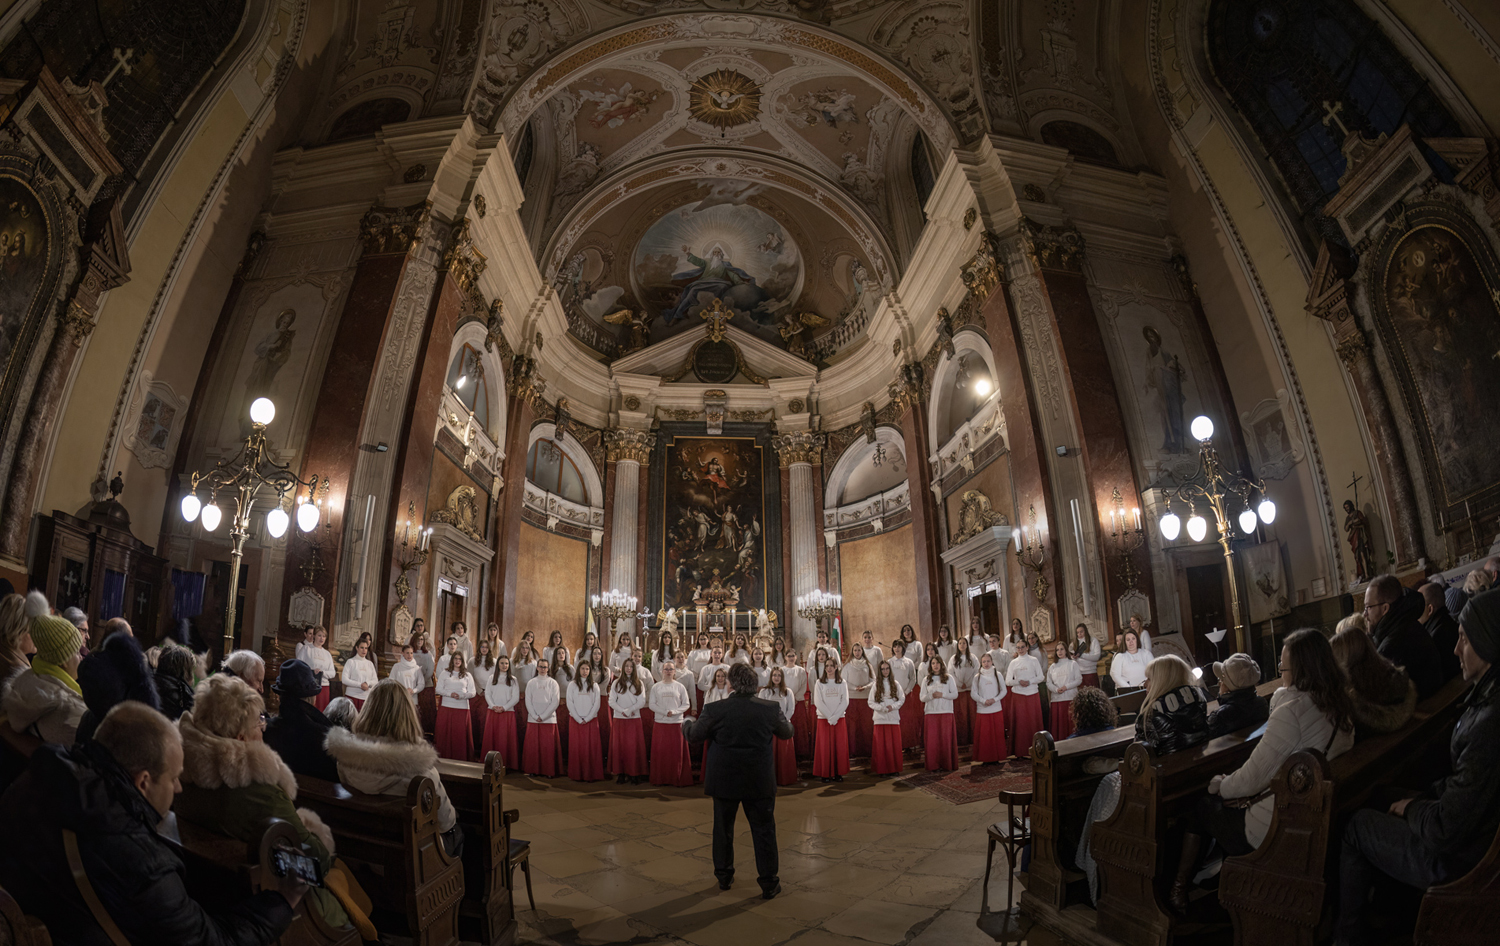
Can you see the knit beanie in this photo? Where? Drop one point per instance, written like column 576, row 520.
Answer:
column 56, row 639
column 1480, row 621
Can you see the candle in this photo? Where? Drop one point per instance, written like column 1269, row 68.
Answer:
column 1137, row 514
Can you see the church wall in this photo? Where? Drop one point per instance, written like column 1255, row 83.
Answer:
column 553, row 570
column 448, row 476
column 878, row 582
column 1458, row 52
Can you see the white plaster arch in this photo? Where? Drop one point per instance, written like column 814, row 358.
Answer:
column 474, row 333
column 852, row 458
column 573, row 451
column 965, row 342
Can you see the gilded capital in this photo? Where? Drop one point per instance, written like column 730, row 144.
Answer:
column 800, row 446
column 393, row 229
column 77, row 321
column 984, row 270
column 629, row 444
column 462, row 258
column 1053, row 247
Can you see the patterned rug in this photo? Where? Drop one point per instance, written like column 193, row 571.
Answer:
column 974, row 783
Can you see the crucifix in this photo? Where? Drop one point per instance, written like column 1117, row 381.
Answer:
column 717, row 315
column 122, row 62
column 71, row 580
column 1331, row 112
column 1354, row 484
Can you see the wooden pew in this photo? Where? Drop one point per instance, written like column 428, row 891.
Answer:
column 477, row 794
column 396, row 839
column 1458, row 913
column 18, row 928
column 222, row 869
column 1276, row 893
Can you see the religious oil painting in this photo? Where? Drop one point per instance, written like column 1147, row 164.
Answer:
column 1447, row 328
column 714, row 516
column 23, row 262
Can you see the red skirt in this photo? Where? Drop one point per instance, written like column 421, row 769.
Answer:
column 627, row 748
column 426, row 709
column 1061, row 720
column 455, row 735
column 500, row 736
column 861, row 722
column 585, row 753
column 911, row 722
column 831, row 751
column 670, row 762
column 885, row 752
column 942, row 742
column 1025, row 713
column 963, row 717
column 802, row 728
column 989, row 737
column 606, row 723
column 1090, row 680
column 786, row 762
column 353, row 697
column 541, row 754
column 648, row 726
column 321, row 700
column 478, row 710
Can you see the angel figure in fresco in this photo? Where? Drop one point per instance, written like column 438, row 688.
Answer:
column 1164, row 380
column 271, row 355
column 794, row 331
column 615, row 107
column 729, row 529
column 640, row 326
column 830, row 106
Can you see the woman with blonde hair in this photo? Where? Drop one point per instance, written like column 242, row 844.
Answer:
column 1383, row 694
column 15, row 636
column 1354, row 622
column 1174, row 713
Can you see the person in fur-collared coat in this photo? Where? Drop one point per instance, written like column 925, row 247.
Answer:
column 232, row 781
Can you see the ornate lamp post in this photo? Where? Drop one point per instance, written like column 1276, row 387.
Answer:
column 242, row 475
column 817, row 605
column 614, row 606
column 1219, row 490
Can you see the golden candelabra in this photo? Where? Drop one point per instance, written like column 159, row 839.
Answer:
column 1128, row 533
column 1031, row 553
column 412, row 553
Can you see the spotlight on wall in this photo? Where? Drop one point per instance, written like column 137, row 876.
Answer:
column 381, row 447
column 982, row 387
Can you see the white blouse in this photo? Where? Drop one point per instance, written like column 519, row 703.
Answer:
column 429, row 667
column 706, row 676
column 501, row 695
column 481, row 675
column 831, row 700
column 1088, row 661
column 409, row 674
column 696, row 660
column 738, row 656
column 456, row 689
column 874, row 654
column 887, row 711
column 715, row 694
column 963, row 672
column 321, row 661
column 359, row 670
column 541, row 700
column 1001, row 657
column 524, row 671
column 858, row 677
column 583, row 705
column 938, row 695
column 1023, row 675
column 988, row 685
column 1063, row 680
column 618, row 657
column 1129, row 670
column 796, row 681
column 669, row 701
column 905, row 673
column 946, row 651
column 832, row 651
column 626, row 703
column 786, row 701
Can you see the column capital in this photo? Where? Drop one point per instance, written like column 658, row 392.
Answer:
column 628, row 444
column 984, row 270
column 463, row 259
column 394, row 229
column 1055, row 248
column 799, row 446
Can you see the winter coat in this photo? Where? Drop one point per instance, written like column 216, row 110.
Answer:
column 1385, row 712
column 137, row 877
column 1238, row 709
column 1444, row 633
column 297, row 735
column 176, row 694
column 230, row 786
column 1177, row 720
column 1403, row 641
column 115, row 672
column 44, row 706
column 378, row 766
column 1458, row 824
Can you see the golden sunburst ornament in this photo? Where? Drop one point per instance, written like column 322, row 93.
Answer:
column 724, row 99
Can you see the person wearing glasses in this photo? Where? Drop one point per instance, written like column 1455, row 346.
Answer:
column 1394, row 615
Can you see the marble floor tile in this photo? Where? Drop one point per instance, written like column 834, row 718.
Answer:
column 879, row 921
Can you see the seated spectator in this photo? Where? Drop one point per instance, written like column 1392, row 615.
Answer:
column 115, row 672
column 1476, row 581
column 78, row 619
column 386, row 751
column 299, row 732
column 16, row 647
column 99, row 805
column 1356, row 621
column 341, row 711
column 232, row 781
column 1092, row 712
column 1441, row 627
column 1394, row 612
column 45, row 699
column 1239, row 705
column 1443, row 833
column 1384, row 697
column 1310, row 711
column 175, row 671
column 248, row 666
column 1174, row 714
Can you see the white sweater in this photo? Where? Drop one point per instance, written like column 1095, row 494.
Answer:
column 503, row 696
column 321, row 661
column 1088, row 661
column 357, row 671
column 627, row 704
column 456, row 689
column 796, row 681
column 542, row 697
column 715, row 694
column 1063, row 680
column 939, row 696
column 988, row 685
column 583, row 705
column 963, row 673
column 1129, row 670
column 669, row 701
column 887, row 712
column 858, row 677
column 831, row 700
column 409, row 674
column 1023, row 675
column 874, row 654
column 1001, row 657
column 905, row 673
column 706, row 676
column 786, row 701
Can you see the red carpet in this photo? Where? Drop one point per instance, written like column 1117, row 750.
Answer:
column 974, row 783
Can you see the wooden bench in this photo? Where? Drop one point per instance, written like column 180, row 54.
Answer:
column 1458, row 913
column 477, row 794
column 222, row 870
column 20, row 929
column 393, row 844
column 1276, row 893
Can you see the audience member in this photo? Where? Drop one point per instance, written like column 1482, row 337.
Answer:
column 248, row 666
column 98, row 805
column 16, row 647
column 175, row 670
column 1239, row 705
column 1442, row 628
column 1092, row 711
column 1383, row 695
column 115, row 672
column 1394, row 612
column 1443, row 833
column 342, row 712
column 45, row 699
column 78, row 619
column 1174, row 713
column 299, row 732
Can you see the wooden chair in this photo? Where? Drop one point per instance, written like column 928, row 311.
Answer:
column 519, row 855
column 1013, row 835
column 18, row 928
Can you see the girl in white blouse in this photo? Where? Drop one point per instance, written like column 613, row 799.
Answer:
column 408, row 673
column 823, row 644
column 1016, row 637
column 670, row 762
column 308, row 633
column 988, row 692
column 1143, row 635
column 1024, row 714
column 523, row 662
column 542, row 753
column 624, row 647
column 885, row 701
column 585, row 752
column 627, row 742
column 739, row 652
column 1086, row 652
column 455, row 732
column 946, row 647
column 706, row 675
column 802, row 723
column 962, row 666
column 481, row 668
column 831, row 698
column 316, row 656
column 359, row 674
column 1128, row 668
column 501, row 695
column 590, row 639
column 978, row 643
column 497, row 646
column 858, row 677
column 938, row 692
column 1063, row 680
column 777, row 692
column 904, row 669
column 999, row 654
column 759, row 665
column 778, row 653
column 554, row 644
column 718, row 689
column 873, row 652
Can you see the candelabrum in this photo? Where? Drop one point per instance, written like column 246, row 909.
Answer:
column 242, row 476
column 1031, row 553
column 818, row 605
column 614, row 606
column 412, row 553
column 1127, row 532
column 1219, row 489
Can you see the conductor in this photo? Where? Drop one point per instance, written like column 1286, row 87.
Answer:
column 741, row 770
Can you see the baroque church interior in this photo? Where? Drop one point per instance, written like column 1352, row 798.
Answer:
column 783, row 319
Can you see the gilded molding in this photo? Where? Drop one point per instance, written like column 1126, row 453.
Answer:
column 984, row 270
column 393, row 229
column 462, row 258
column 77, row 322
column 629, row 444
column 1056, row 248
column 801, row 446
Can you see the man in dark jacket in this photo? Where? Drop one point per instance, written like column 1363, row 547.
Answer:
column 1441, row 627
column 1240, row 707
column 1394, row 614
column 298, row 733
column 1443, row 833
column 95, row 808
column 741, row 770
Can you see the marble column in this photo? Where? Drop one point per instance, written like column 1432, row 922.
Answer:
column 798, row 451
column 627, row 449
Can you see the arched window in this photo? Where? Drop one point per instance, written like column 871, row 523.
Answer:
column 1280, row 62
column 971, row 387
column 548, row 468
column 467, row 382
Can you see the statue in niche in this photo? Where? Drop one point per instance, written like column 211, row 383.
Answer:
column 1357, row 531
column 1164, row 381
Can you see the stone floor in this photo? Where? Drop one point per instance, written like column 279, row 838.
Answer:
column 863, row 862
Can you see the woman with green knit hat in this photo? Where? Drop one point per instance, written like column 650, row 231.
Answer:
column 46, row 699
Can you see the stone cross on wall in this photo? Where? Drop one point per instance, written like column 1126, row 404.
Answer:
column 122, row 63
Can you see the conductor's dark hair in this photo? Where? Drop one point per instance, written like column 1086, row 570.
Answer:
column 743, row 681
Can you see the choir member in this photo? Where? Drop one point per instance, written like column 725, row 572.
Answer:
column 1043, row 657
column 777, row 692
column 759, row 665
column 541, row 753
column 497, row 646
column 719, row 688
column 831, row 751
column 778, row 653
column 706, row 675
column 459, row 631
column 858, row 677
column 1141, row 634
column 938, row 692
column 455, row 732
column 1024, row 714
column 584, row 652
column 501, row 695
column 1128, row 668
column 359, row 674
column 624, row 647
column 962, row 668
column 885, row 700
column 905, row 670
column 824, row 644
column 426, row 659
column 321, row 661
column 1063, row 680
column 909, row 639
column 698, row 658
column 1086, row 652
column 523, row 661
column 308, row 633
column 670, row 762
column 408, row 673
column 802, row 722
column 872, row 650
column 740, row 652
column 978, row 642
column 1016, row 637
column 666, row 649
column 561, row 670
column 602, row 679
column 945, row 646
column 988, row 690
column 999, row 654
column 554, row 644
column 585, row 753
column 481, row 668
column 627, row 742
